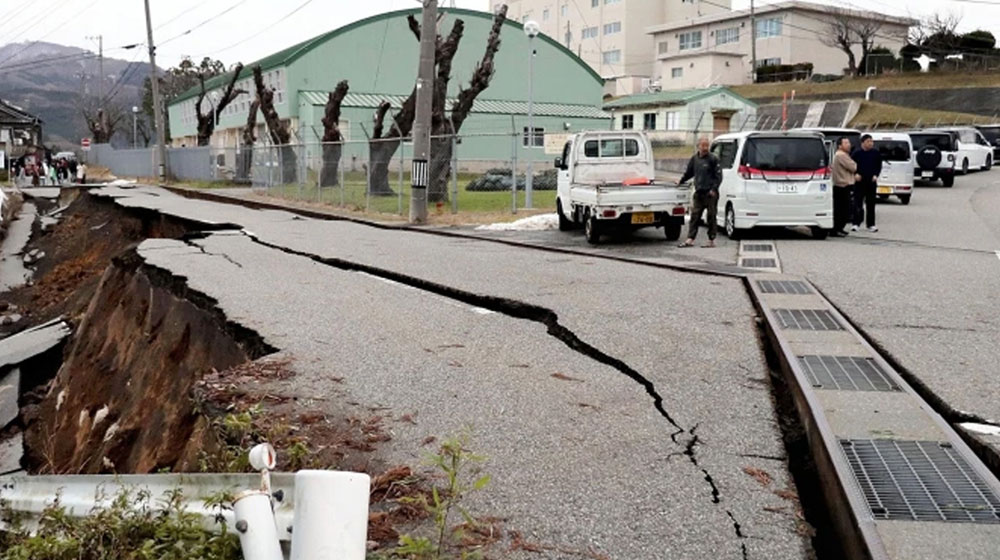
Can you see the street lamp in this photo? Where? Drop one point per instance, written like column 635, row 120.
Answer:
column 135, row 127
column 531, row 30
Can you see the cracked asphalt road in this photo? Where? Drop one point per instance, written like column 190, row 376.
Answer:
column 575, row 464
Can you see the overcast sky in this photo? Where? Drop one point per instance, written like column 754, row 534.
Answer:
column 246, row 30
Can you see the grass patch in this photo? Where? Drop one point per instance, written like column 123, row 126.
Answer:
column 888, row 116
column 915, row 80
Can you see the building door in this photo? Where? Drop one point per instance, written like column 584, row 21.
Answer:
column 720, row 123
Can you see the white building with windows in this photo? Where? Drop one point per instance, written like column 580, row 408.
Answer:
column 715, row 49
column 610, row 35
column 683, row 115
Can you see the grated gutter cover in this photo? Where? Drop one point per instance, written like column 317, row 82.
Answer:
column 845, row 373
column 807, row 319
column 794, row 287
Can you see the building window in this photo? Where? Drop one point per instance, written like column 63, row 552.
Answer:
column 690, row 40
column 611, row 57
column 613, row 27
column 564, row 10
column 649, row 121
column 589, row 32
column 612, row 1
column 727, row 35
column 768, row 62
column 628, row 121
column 595, row 3
column 545, row 14
column 663, row 46
column 673, row 120
column 770, row 27
column 677, row 72
column 539, row 137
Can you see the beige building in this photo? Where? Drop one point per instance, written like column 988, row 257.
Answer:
column 715, row 49
column 610, row 35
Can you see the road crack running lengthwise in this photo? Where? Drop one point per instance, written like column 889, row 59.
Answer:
column 547, row 317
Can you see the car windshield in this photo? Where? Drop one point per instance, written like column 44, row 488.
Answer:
column 893, row 150
column 939, row 141
column 785, row 154
column 991, row 134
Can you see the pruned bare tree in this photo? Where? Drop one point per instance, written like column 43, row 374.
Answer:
column 101, row 121
column 839, row 33
column 206, row 122
column 278, row 129
column 249, row 139
column 866, row 29
column 445, row 121
column 333, row 145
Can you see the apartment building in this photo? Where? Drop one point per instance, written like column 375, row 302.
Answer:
column 610, row 35
column 715, row 49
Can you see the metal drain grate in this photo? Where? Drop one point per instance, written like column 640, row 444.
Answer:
column 796, row 287
column 758, row 247
column 807, row 319
column 846, row 373
column 758, row 263
column 920, row 481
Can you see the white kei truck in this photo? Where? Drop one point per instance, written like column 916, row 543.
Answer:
column 606, row 183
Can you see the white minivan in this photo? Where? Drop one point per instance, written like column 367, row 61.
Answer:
column 897, row 165
column 774, row 179
column 974, row 152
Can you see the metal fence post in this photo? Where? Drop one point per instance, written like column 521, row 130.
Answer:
column 454, row 175
column 399, row 195
column 343, row 185
column 513, row 174
column 368, row 185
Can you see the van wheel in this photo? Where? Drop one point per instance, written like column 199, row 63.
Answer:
column 730, row 224
column 564, row 223
column 965, row 166
column 989, row 163
column 820, row 233
column 905, row 199
column 948, row 181
column 592, row 230
column 673, row 228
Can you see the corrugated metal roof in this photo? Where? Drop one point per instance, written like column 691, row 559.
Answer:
column 672, row 97
column 495, row 107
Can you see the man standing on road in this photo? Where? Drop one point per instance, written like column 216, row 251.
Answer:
column 707, row 173
column 869, row 168
column 844, row 176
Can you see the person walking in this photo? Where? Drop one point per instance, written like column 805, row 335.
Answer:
column 869, row 168
column 704, row 168
column 845, row 175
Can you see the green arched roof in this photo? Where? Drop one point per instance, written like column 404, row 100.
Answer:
column 289, row 55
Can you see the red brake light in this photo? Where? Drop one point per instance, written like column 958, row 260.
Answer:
column 823, row 173
column 748, row 172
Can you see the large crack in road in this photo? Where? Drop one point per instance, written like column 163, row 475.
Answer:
column 549, row 318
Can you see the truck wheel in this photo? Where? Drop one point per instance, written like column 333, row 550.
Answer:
column 730, row 222
column 672, row 227
column 948, row 181
column 592, row 230
column 905, row 198
column 564, row 223
column 819, row 233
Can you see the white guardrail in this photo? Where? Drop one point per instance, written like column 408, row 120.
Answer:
column 319, row 515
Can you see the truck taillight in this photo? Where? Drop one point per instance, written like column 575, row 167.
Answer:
column 951, row 158
column 748, row 172
column 678, row 211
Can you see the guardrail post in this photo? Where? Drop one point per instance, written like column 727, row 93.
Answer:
column 331, row 515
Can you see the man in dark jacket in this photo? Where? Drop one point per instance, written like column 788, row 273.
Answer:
column 707, row 173
column 869, row 162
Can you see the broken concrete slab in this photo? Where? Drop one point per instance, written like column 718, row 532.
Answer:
column 9, row 390
column 11, row 450
column 31, row 342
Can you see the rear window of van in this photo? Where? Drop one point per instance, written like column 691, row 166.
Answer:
column 942, row 141
column 893, row 150
column 611, row 147
column 785, row 154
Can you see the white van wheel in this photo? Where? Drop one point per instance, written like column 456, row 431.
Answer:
column 730, row 223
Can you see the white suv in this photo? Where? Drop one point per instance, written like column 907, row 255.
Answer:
column 774, row 179
column 974, row 152
column 934, row 156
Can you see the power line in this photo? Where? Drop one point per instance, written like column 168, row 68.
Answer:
column 205, row 22
column 57, row 28
column 38, row 20
column 267, row 28
column 178, row 16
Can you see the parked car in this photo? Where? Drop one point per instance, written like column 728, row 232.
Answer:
column 974, row 152
column 935, row 156
column 774, row 179
column 606, row 182
column 992, row 134
column 830, row 136
column 896, row 178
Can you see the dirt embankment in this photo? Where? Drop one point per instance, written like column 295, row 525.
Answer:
column 121, row 401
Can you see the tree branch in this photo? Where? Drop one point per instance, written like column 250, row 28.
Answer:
column 481, row 76
column 380, row 112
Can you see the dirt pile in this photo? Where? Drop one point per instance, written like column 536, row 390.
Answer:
column 121, row 400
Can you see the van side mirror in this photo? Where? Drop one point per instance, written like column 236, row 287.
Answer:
column 559, row 163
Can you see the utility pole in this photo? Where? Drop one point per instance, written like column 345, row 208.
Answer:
column 419, row 170
column 753, row 44
column 161, row 134
column 100, row 62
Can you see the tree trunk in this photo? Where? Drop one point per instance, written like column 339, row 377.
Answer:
column 249, row 138
column 332, row 138
column 289, row 164
column 440, row 170
column 280, row 135
column 380, row 154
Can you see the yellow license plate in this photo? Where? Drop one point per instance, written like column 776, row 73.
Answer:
column 642, row 218
column 884, row 190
